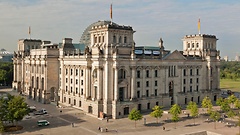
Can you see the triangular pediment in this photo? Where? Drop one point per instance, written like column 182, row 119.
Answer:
column 176, row 55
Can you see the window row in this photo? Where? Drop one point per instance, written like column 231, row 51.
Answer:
column 190, row 81
column 71, row 81
column 190, row 72
column 190, row 89
column 76, row 90
column 147, row 93
column 120, row 39
column 147, row 84
column 71, row 72
column 147, row 73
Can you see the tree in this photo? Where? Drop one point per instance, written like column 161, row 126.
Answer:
column 135, row 115
column 1, row 127
column 237, row 104
column 157, row 112
column 175, row 111
column 207, row 103
column 17, row 109
column 231, row 114
column 193, row 108
column 231, row 100
column 224, row 104
column 215, row 116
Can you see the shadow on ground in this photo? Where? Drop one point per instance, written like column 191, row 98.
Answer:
column 154, row 124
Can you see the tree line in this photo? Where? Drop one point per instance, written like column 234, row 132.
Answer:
column 230, row 70
column 6, row 73
column 229, row 106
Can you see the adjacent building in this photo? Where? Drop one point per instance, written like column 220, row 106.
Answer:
column 113, row 75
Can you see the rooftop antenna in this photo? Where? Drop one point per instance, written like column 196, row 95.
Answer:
column 29, row 32
column 199, row 26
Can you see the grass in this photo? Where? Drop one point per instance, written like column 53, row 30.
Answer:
column 229, row 84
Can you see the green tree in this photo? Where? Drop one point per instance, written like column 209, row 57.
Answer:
column 237, row 104
column 1, row 127
column 135, row 115
column 3, row 76
column 193, row 108
column 6, row 72
column 231, row 100
column 175, row 110
column 215, row 116
column 17, row 109
column 157, row 112
column 231, row 114
column 224, row 104
column 207, row 103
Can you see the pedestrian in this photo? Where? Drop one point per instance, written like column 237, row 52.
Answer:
column 107, row 119
column 106, row 129
column 60, row 111
column 163, row 128
column 99, row 128
column 72, row 124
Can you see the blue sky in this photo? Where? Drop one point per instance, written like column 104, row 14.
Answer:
column 170, row 19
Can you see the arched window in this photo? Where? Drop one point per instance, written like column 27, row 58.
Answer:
column 120, row 40
column 103, row 39
column 197, row 45
column 122, row 74
column 125, row 39
column 192, row 45
column 188, row 45
column 95, row 40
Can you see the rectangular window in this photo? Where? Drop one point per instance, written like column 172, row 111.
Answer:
column 191, row 81
column 156, row 73
column 147, row 73
column 66, row 80
column 66, row 88
column 82, row 91
column 81, row 82
column 155, row 92
column 76, row 72
column 76, row 90
column 148, row 105
column 147, row 93
column 66, row 71
column 138, row 74
column 197, row 88
column 81, row 72
column 156, row 83
column 147, row 83
column 71, row 81
column 184, row 72
column 184, row 89
column 197, row 80
column 71, row 71
column 190, row 88
column 138, row 84
column 197, row 71
column 80, row 103
column 191, row 73
column 59, row 70
column 184, row 81
column 138, row 94
column 71, row 89
column 76, row 81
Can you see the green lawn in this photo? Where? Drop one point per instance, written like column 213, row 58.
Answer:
column 230, row 84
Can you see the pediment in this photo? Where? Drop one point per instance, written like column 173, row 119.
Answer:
column 176, row 55
column 122, row 82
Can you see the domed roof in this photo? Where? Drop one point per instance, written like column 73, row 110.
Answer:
column 85, row 38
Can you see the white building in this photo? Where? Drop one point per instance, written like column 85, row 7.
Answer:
column 112, row 75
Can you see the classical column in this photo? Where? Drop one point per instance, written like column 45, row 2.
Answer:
column 86, row 81
column 133, row 82
column 116, row 84
column 100, row 83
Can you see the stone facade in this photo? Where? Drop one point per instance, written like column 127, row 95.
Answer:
column 113, row 76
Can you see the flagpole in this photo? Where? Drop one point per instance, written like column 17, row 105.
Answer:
column 199, row 26
column 111, row 12
column 29, row 32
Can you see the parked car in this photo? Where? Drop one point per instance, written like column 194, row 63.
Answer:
column 32, row 108
column 43, row 123
column 41, row 112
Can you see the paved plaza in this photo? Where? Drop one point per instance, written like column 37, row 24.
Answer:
column 61, row 124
